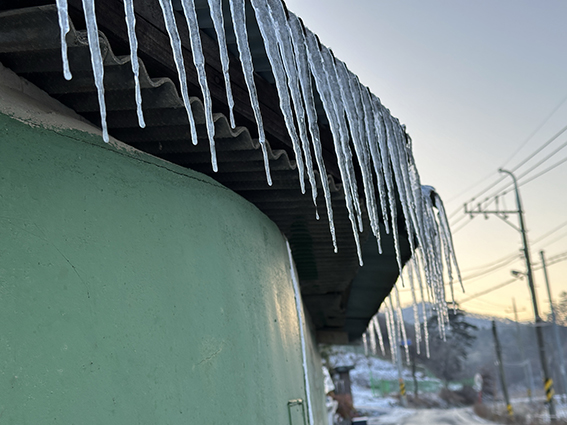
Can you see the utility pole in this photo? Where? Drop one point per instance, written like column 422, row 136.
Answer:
column 527, row 364
column 558, row 347
column 548, row 382
column 501, row 370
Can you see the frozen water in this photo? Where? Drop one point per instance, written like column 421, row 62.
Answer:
column 409, row 268
column 372, row 335
column 199, row 61
column 131, row 25
column 357, row 120
column 287, row 51
column 299, row 44
column 322, row 83
column 96, row 61
column 171, row 27
column 238, row 13
column 64, row 28
column 215, row 7
column 265, row 23
column 359, row 139
column 379, row 332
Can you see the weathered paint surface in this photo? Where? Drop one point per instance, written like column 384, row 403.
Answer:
column 136, row 292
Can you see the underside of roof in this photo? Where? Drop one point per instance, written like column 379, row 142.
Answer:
column 340, row 296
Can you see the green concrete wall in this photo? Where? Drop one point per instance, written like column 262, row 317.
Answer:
column 133, row 291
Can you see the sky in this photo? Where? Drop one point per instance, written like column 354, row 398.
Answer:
column 480, row 85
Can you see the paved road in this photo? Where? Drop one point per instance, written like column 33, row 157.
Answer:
column 428, row 417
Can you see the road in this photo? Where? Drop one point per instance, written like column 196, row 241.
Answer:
column 462, row 416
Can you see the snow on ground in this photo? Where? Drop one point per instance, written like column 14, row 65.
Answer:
column 366, row 367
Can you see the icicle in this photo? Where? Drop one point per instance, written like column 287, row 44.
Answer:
column 175, row 41
column 64, row 28
column 373, row 145
column 416, row 320
column 372, row 337
column 392, row 143
column 337, row 101
column 238, row 13
column 131, row 25
column 365, row 343
column 444, row 222
column 402, row 324
column 388, row 175
column 266, row 27
column 96, row 61
column 215, row 7
column 379, row 333
column 199, row 61
column 352, row 109
column 288, row 54
column 316, row 65
column 391, row 333
column 299, row 44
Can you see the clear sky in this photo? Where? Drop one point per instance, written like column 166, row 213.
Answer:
column 472, row 80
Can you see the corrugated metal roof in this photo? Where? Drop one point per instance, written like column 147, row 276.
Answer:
column 337, row 297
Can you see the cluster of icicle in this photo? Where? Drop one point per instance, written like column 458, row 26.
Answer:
column 362, row 129
column 426, row 284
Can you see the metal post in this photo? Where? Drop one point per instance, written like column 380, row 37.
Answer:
column 558, row 347
column 501, row 370
column 548, row 382
column 527, row 367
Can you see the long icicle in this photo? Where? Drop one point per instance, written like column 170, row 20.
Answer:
column 287, row 51
column 131, row 25
column 215, row 7
column 267, row 31
column 417, row 325
column 171, row 27
column 63, row 15
column 379, row 333
column 299, row 44
column 322, row 83
column 199, row 61
column 96, row 61
column 238, row 14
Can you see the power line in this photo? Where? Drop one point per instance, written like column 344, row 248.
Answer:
column 491, row 270
column 546, row 144
column 492, row 263
column 504, row 189
column 556, row 239
column 523, row 162
column 494, row 288
column 559, row 105
column 558, row 258
column 544, row 172
column 551, row 232
column 539, row 127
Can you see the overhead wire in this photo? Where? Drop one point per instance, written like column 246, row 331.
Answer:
column 543, row 172
column 554, row 260
column 539, row 127
column 519, row 178
column 519, row 165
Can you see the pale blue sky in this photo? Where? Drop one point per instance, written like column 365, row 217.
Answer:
column 471, row 80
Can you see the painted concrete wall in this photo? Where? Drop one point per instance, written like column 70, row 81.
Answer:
column 133, row 291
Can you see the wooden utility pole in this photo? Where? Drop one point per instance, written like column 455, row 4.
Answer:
column 501, row 369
